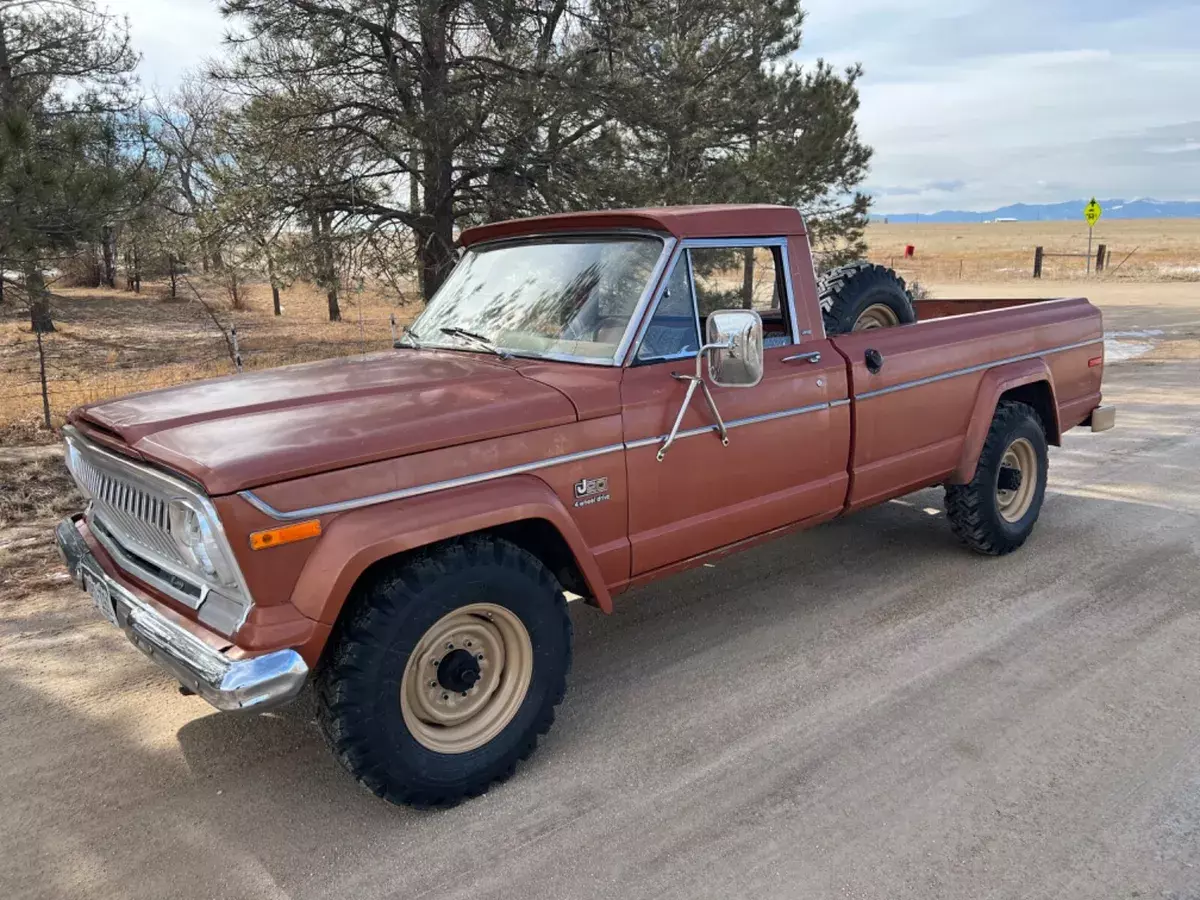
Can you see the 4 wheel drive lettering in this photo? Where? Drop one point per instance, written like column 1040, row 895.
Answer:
column 590, row 491
column 440, row 538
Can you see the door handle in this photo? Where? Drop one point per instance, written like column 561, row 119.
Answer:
column 813, row 357
column 874, row 360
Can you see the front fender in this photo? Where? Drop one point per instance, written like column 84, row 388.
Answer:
column 992, row 387
column 355, row 540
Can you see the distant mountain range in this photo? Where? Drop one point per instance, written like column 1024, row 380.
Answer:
column 1141, row 208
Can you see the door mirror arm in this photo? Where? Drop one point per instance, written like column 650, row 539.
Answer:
column 697, row 381
column 735, row 359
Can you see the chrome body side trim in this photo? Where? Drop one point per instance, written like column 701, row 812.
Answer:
column 420, row 489
column 729, row 426
column 257, row 683
column 867, row 395
column 465, row 480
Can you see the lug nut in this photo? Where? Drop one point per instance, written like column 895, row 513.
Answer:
column 479, row 656
column 464, row 693
column 433, row 684
column 445, row 696
column 449, row 646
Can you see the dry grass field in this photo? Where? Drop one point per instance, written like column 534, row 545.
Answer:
column 1163, row 249
column 111, row 343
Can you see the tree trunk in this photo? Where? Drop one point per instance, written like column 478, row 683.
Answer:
column 128, row 270
column 173, row 273
column 137, row 271
column 414, row 206
column 44, row 383
column 235, row 293
column 39, row 301
column 108, row 245
column 435, row 237
column 329, row 266
column 8, row 91
column 274, row 282
column 748, row 278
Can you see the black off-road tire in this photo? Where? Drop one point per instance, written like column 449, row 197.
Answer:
column 974, row 508
column 849, row 291
column 359, row 685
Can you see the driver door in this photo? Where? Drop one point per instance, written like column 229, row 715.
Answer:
column 782, row 464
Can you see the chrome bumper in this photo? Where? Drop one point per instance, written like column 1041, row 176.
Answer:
column 257, row 683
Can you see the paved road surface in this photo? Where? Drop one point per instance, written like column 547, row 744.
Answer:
column 864, row 711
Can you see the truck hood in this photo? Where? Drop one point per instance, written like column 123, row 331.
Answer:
column 244, row 431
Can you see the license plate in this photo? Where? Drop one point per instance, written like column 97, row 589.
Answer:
column 101, row 596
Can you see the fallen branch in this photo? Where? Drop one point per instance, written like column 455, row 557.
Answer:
column 230, row 342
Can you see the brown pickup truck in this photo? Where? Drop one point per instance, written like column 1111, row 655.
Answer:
column 590, row 402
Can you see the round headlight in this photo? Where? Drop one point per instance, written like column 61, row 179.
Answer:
column 194, row 537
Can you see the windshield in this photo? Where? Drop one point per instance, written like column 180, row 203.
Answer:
column 564, row 298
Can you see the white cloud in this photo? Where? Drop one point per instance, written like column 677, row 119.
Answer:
column 1024, row 101
column 173, row 36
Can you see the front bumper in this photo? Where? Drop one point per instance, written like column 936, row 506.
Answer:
column 257, row 683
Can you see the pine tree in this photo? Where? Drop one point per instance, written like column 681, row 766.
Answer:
column 65, row 122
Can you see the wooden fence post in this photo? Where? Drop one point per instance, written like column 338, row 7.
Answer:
column 1100, row 251
column 1038, row 253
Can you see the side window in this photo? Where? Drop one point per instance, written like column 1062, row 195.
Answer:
column 672, row 331
column 743, row 278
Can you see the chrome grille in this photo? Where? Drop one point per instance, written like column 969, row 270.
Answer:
column 132, row 512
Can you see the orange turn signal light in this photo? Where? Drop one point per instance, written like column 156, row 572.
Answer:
column 286, row 534
column 1095, row 361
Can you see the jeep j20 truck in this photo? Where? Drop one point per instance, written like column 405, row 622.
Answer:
column 590, row 402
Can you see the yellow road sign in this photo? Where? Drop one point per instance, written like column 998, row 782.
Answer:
column 1092, row 212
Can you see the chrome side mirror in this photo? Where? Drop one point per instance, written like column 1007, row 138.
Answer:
column 734, row 351
column 735, row 337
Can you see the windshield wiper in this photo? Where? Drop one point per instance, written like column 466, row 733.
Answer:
column 485, row 343
column 407, row 334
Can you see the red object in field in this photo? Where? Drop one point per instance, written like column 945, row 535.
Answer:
column 910, row 250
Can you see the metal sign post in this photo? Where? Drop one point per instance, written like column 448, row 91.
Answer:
column 1091, row 214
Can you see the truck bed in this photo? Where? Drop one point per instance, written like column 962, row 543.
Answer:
column 913, row 422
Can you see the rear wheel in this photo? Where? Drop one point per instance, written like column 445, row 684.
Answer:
column 996, row 510
column 446, row 672
column 862, row 296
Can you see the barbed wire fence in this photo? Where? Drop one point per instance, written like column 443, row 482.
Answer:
column 54, row 371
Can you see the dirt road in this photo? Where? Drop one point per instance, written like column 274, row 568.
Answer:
column 866, row 711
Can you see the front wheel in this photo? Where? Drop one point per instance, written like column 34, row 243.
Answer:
column 996, row 510
column 446, row 672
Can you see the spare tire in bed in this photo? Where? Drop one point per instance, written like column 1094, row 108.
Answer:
column 862, row 295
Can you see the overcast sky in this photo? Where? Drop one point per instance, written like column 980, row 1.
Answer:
column 969, row 104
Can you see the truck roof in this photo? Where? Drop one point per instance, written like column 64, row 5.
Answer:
column 715, row 221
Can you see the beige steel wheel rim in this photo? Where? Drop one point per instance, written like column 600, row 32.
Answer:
column 877, row 315
column 458, row 721
column 1021, row 456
